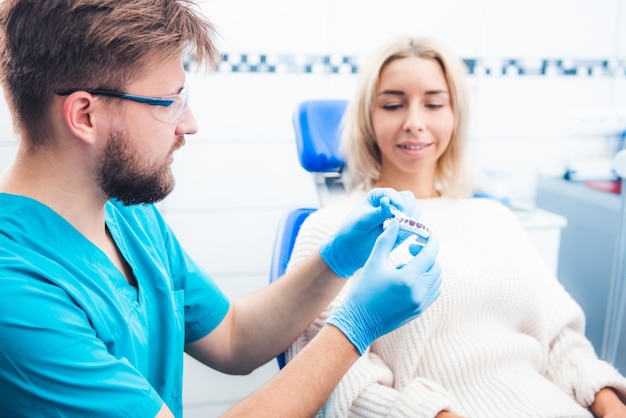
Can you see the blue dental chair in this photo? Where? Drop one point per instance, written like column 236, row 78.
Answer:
column 317, row 126
column 288, row 228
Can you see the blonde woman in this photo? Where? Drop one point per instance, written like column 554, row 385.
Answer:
column 504, row 339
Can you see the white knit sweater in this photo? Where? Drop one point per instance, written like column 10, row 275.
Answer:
column 504, row 339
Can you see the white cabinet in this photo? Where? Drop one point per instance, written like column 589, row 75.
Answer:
column 544, row 229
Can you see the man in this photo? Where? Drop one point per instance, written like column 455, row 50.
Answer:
column 100, row 299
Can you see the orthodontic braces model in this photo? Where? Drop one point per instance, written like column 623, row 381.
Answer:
column 409, row 224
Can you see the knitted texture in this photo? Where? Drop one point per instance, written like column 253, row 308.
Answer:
column 504, row 339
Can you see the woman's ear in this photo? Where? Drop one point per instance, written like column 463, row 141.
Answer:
column 79, row 110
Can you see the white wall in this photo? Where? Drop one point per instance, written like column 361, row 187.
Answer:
column 240, row 172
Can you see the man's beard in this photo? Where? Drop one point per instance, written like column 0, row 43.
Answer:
column 122, row 175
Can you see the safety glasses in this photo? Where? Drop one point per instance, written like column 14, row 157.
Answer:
column 167, row 109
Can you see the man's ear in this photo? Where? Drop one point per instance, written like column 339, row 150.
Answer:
column 79, row 115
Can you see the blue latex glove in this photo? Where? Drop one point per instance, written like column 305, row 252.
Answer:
column 383, row 298
column 346, row 251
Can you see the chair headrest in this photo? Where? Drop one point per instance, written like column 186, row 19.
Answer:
column 318, row 125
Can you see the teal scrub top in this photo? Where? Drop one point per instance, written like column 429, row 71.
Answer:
column 76, row 339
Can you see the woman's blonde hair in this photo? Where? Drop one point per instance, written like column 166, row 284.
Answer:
column 358, row 143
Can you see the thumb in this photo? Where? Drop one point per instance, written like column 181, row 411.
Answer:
column 385, row 241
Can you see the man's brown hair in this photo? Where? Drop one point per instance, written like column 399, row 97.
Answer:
column 47, row 45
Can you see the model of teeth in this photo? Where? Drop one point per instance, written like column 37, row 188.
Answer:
column 411, row 225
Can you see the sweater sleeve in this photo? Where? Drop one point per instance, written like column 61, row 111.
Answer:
column 572, row 363
column 575, row 368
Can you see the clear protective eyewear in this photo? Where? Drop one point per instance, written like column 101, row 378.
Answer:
column 167, row 109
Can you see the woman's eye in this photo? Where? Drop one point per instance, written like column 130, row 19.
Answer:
column 433, row 106
column 391, row 106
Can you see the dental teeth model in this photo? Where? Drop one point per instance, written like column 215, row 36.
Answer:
column 409, row 224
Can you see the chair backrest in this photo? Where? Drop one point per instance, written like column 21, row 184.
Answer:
column 286, row 233
column 318, row 125
column 288, row 228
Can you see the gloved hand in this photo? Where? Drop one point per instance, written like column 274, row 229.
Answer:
column 383, row 297
column 346, row 251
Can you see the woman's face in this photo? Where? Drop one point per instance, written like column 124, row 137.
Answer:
column 412, row 118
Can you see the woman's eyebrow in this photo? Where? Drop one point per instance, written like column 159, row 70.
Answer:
column 401, row 93
column 433, row 92
column 391, row 92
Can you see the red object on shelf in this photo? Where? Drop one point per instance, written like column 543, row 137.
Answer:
column 611, row 186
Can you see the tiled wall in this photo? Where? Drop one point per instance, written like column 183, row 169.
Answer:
column 537, row 71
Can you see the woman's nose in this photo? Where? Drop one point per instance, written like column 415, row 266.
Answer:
column 414, row 119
